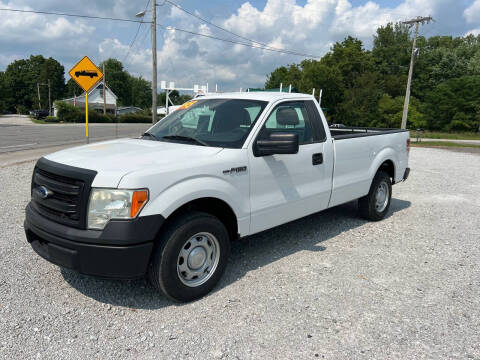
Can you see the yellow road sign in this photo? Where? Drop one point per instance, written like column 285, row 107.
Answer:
column 86, row 73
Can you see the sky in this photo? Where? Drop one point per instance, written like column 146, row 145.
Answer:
column 306, row 26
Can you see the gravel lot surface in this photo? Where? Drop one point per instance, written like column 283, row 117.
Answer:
column 330, row 286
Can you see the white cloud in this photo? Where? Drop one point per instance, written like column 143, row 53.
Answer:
column 474, row 32
column 472, row 13
column 28, row 28
column 472, row 16
column 282, row 24
column 187, row 59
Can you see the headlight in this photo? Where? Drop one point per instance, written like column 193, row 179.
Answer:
column 106, row 204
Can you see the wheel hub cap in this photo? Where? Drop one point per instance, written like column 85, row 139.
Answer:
column 198, row 259
column 382, row 197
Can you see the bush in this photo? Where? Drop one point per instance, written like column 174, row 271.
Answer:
column 134, row 118
column 96, row 117
column 460, row 122
column 69, row 113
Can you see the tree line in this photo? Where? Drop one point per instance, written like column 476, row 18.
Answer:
column 19, row 90
column 367, row 87
column 360, row 87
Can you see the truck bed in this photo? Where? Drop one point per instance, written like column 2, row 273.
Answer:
column 354, row 132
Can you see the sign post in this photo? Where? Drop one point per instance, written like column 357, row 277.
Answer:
column 86, row 116
column 86, row 74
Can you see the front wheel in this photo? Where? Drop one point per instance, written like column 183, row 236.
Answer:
column 191, row 256
column 375, row 205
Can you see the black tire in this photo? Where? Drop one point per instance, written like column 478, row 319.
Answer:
column 163, row 274
column 367, row 205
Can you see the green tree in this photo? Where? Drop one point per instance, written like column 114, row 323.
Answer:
column 51, row 70
column 390, row 113
column 20, row 81
column 117, row 79
column 3, row 93
column 290, row 75
column 473, row 67
column 317, row 75
column 22, row 77
column 276, row 77
column 450, row 101
column 141, row 90
column 359, row 107
column 350, row 59
column 461, row 122
column 391, row 49
column 72, row 89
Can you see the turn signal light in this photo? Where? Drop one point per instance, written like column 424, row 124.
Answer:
column 139, row 199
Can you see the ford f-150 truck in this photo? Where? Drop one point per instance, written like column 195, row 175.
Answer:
column 221, row 167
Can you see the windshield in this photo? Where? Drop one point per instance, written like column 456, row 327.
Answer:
column 212, row 122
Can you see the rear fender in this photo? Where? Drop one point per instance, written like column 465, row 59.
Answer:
column 382, row 156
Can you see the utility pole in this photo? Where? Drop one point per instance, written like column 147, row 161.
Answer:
column 154, row 61
column 38, row 92
column 104, row 93
column 419, row 20
column 49, row 99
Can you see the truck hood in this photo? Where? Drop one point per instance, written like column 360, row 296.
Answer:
column 114, row 159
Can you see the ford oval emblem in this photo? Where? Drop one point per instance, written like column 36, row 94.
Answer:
column 44, row 192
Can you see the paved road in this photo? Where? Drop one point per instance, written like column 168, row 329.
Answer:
column 330, row 286
column 19, row 133
column 470, row 142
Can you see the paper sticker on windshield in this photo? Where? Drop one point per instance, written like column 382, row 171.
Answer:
column 187, row 105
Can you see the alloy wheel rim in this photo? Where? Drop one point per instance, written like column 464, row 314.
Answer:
column 198, row 259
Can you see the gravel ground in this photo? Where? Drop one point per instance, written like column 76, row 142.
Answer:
column 330, row 286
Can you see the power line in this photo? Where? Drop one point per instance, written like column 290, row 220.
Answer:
column 136, row 34
column 73, row 15
column 137, row 46
column 293, row 52
column 262, row 47
column 170, row 28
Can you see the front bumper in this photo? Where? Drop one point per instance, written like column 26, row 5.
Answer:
column 122, row 250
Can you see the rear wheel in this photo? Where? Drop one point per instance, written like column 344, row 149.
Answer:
column 190, row 257
column 375, row 205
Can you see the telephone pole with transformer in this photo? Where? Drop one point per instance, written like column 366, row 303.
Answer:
column 414, row 22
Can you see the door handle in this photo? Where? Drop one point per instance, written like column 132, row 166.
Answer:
column 317, row 159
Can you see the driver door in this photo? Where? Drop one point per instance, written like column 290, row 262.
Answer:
column 287, row 187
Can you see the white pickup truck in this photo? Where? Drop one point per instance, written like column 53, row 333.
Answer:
column 222, row 167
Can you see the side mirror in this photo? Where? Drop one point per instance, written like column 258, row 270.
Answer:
column 278, row 143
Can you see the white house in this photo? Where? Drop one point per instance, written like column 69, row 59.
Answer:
column 95, row 100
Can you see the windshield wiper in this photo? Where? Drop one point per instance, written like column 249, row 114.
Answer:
column 185, row 138
column 150, row 135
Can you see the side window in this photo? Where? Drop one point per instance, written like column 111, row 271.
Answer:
column 292, row 117
column 316, row 121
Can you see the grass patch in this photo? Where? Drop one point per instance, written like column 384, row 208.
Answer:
column 444, row 144
column 44, row 121
column 38, row 121
column 445, row 135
